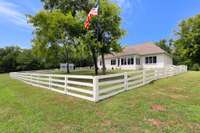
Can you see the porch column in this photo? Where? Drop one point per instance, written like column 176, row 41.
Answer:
column 135, row 61
column 118, row 62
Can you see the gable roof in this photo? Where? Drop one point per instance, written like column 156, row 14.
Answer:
column 142, row 49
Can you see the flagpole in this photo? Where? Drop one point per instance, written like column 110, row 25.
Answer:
column 97, row 25
column 97, row 3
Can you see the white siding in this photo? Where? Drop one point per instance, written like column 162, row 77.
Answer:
column 168, row 60
column 109, row 66
column 163, row 60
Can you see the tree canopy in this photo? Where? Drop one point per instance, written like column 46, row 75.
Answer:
column 188, row 41
column 185, row 47
column 59, row 28
column 16, row 59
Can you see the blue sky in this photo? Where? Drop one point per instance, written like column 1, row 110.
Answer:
column 144, row 20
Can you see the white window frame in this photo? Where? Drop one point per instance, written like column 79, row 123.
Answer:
column 150, row 60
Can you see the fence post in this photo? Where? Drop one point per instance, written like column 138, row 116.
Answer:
column 155, row 74
column 96, row 88
column 49, row 81
column 144, row 77
column 125, row 81
column 66, row 80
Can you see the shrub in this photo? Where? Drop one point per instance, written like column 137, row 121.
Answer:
column 196, row 67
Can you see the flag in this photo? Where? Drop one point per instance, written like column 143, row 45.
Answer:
column 93, row 12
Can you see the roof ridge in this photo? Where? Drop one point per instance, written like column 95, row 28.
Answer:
column 139, row 44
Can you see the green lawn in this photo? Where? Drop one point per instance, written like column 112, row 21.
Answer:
column 89, row 72
column 168, row 105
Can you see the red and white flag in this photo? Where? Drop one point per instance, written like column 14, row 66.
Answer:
column 93, row 12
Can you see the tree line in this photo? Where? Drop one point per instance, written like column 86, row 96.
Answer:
column 14, row 58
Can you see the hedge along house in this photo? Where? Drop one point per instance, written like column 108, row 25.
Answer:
column 144, row 56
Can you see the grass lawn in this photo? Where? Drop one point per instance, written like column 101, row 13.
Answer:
column 168, row 105
column 89, row 72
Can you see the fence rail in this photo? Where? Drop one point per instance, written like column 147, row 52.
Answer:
column 96, row 88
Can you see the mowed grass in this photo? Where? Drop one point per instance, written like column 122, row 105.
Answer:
column 168, row 105
column 90, row 72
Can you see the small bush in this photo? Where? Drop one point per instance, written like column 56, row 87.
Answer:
column 196, row 67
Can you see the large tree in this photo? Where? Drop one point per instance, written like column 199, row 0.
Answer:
column 65, row 28
column 188, row 41
column 62, row 24
column 27, row 61
column 106, row 30
column 55, row 31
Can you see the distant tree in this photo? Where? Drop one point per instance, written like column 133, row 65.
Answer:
column 27, row 61
column 187, row 44
column 8, row 56
column 166, row 45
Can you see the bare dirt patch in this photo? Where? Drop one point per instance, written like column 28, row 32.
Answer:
column 157, row 107
column 106, row 123
column 178, row 97
column 99, row 113
column 155, row 122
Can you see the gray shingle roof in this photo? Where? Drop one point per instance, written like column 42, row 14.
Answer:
column 141, row 49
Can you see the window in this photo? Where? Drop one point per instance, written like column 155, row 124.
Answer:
column 113, row 62
column 147, row 60
column 137, row 61
column 154, row 59
column 129, row 61
column 123, row 61
column 151, row 60
column 132, row 61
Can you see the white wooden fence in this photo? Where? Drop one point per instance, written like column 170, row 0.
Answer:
column 96, row 88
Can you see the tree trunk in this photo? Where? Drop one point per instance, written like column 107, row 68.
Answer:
column 94, row 57
column 67, row 58
column 68, row 68
column 68, row 63
column 95, row 62
column 103, row 63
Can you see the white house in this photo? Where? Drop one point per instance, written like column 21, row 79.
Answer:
column 143, row 56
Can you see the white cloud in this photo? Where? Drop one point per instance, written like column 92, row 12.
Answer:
column 128, row 5
column 129, row 9
column 123, row 3
column 11, row 12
